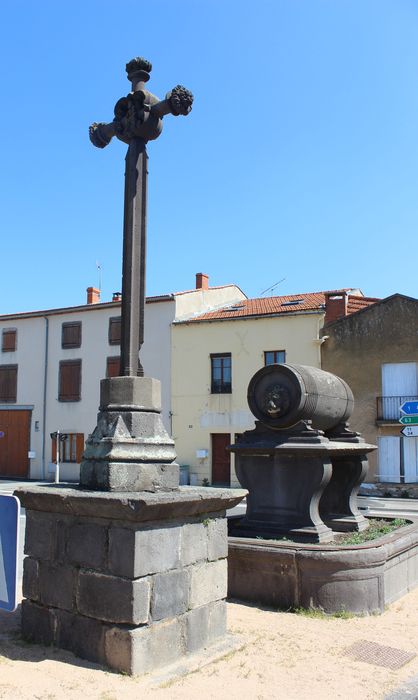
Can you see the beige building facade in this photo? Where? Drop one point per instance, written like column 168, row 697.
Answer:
column 214, row 356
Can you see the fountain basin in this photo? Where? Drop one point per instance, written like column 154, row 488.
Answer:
column 361, row 579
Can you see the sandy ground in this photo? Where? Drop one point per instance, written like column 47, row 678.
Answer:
column 280, row 655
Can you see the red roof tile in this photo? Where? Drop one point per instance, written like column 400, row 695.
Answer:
column 271, row 306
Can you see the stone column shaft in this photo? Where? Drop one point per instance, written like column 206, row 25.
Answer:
column 133, row 271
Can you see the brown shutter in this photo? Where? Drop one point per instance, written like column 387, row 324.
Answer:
column 69, row 380
column 8, row 383
column 113, row 367
column 71, row 334
column 53, row 450
column 79, row 448
column 9, row 341
column 114, row 330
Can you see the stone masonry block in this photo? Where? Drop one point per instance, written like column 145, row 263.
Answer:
column 217, row 620
column 204, row 625
column 217, row 539
column 83, row 636
column 194, row 543
column 86, row 546
column 57, row 585
column 40, row 535
column 38, row 623
column 170, row 594
column 135, row 553
column 30, row 578
column 113, row 599
column 60, row 548
column 208, row 582
column 122, row 476
column 144, row 649
column 141, row 392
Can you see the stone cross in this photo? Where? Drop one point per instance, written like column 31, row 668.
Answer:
column 138, row 119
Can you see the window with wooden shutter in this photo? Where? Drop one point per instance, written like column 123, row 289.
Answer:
column 69, row 381
column 8, row 341
column 8, row 383
column 114, row 330
column 71, row 335
column 112, row 367
column 71, row 448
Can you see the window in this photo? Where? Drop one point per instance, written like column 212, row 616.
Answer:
column 8, row 383
column 112, row 366
column 69, row 381
column 71, row 447
column 274, row 357
column 71, row 335
column 8, row 342
column 399, row 384
column 114, row 330
column 221, row 373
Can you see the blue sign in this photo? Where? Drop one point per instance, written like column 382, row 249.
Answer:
column 410, row 408
column 9, row 541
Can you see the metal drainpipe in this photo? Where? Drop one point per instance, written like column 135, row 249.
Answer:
column 318, row 336
column 44, row 398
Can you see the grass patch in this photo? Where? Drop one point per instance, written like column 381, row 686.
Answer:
column 377, row 528
column 319, row 614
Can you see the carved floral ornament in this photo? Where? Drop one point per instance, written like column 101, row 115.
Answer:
column 140, row 114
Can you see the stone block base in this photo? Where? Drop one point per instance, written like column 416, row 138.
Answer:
column 133, row 581
column 127, row 649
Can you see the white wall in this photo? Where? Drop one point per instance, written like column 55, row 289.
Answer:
column 80, row 416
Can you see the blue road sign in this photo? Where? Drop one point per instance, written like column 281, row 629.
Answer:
column 410, row 407
column 9, row 541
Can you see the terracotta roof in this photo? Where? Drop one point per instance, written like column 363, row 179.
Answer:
column 272, row 306
column 356, row 303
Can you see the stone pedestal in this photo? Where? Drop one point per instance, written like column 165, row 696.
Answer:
column 338, row 507
column 300, row 483
column 133, row 581
column 129, row 450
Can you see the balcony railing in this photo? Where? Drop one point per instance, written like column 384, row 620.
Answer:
column 389, row 407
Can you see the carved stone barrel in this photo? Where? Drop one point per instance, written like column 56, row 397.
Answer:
column 281, row 396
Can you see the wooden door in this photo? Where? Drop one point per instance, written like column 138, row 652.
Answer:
column 14, row 443
column 221, row 459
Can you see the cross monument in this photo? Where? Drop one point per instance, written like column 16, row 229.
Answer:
column 130, row 449
column 138, row 119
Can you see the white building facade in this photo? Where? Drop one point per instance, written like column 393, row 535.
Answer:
column 51, row 364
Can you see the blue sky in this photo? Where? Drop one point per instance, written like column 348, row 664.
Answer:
column 298, row 161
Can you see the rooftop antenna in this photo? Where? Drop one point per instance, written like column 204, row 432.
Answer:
column 273, row 286
column 99, row 271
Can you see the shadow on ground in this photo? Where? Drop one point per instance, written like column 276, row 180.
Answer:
column 15, row 648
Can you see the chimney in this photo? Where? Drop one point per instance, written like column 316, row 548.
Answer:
column 335, row 305
column 117, row 296
column 202, row 280
column 93, row 295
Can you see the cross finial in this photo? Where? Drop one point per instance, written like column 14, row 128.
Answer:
column 140, row 114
